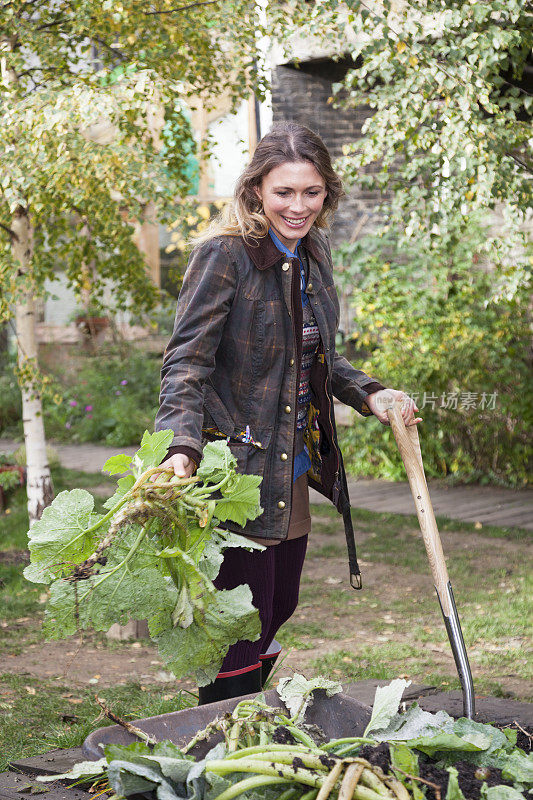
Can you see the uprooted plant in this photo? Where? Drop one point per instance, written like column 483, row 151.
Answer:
column 153, row 555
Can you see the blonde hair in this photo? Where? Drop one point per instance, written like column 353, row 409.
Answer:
column 286, row 142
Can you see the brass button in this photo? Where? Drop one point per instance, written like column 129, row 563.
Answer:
column 291, row 362
column 284, row 456
column 281, row 504
column 285, row 266
column 288, row 409
column 309, row 287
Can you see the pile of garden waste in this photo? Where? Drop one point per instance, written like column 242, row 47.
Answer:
column 269, row 753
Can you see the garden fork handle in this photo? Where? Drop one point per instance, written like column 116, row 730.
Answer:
column 409, row 447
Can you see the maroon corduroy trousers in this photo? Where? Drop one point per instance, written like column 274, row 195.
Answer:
column 273, row 575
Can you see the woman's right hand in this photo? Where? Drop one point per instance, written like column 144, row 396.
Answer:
column 183, row 466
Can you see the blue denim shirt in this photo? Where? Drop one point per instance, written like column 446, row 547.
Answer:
column 302, row 462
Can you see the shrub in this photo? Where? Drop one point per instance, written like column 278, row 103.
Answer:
column 113, row 400
column 10, row 402
column 427, row 324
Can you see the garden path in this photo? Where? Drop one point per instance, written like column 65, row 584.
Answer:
column 487, row 505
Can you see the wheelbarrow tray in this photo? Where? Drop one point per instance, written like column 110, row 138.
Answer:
column 337, row 716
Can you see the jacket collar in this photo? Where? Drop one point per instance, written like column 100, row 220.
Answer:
column 264, row 252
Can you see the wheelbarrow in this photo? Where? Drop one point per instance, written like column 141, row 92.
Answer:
column 337, row 716
column 409, row 447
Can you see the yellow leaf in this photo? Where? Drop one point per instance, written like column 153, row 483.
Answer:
column 469, row 195
column 413, row 60
column 400, row 46
column 203, row 211
column 132, row 38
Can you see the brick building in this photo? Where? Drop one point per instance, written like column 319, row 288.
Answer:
column 300, row 94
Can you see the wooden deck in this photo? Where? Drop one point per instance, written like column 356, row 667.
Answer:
column 489, row 505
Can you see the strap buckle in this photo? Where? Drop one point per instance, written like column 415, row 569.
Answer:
column 356, row 581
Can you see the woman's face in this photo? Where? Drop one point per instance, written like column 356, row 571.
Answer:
column 292, row 195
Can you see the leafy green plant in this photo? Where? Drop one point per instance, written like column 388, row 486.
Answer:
column 112, row 405
column 425, row 322
column 9, row 479
column 153, row 555
column 10, row 401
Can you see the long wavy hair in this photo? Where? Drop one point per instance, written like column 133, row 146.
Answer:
column 286, row 142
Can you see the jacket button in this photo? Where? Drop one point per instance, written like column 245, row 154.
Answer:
column 281, row 504
column 284, row 456
column 285, row 267
column 291, row 362
column 309, row 287
column 287, row 409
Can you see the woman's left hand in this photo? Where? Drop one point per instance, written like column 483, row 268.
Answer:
column 379, row 402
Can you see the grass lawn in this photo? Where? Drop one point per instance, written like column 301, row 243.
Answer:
column 393, row 627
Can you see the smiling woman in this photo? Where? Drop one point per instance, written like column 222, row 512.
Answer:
column 252, row 360
column 292, row 196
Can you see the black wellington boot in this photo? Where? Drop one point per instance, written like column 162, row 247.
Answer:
column 268, row 660
column 231, row 684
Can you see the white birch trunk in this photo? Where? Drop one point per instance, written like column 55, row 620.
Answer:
column 39, row 482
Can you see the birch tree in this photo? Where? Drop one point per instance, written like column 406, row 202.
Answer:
column 80, row 82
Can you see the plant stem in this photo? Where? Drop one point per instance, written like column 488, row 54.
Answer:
column 247, row 784
column 276, row 769
column 309, row 760
column 331, row 780
column 310, row 795
column 290, row 793
column 349, row 740
column 296, row 749
column 296, row 732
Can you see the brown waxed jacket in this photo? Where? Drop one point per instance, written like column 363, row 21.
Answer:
column 232, row 369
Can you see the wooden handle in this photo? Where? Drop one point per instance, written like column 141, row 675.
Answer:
column 409, row 447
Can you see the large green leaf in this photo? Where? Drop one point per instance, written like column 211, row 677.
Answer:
column 153, row 448
column 242, row 500
column 60, row 539
column 124, row 485
column 217, row 461
column 117, row 593
column 117, row 464
column 228, row 617
column 386, row 703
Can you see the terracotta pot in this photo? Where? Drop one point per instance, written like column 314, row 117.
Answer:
column 91, row 326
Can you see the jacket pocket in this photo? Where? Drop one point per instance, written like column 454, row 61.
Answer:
column 215, row 413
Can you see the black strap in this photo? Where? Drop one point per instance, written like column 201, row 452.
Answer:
column 344, row 504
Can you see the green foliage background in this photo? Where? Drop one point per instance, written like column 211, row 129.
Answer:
column 425, row 323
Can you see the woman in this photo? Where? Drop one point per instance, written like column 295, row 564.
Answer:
column 252, row 357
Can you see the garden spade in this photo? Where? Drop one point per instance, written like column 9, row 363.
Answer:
column 409, row 447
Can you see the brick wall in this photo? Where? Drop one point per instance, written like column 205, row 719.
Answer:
column 300, row 95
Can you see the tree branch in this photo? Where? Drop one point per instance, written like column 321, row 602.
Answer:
column 50, row 24
column 181, row 8
column 12, row 234
column 113, row 50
